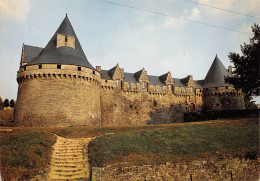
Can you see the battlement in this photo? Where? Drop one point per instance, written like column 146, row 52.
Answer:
column 57, row 71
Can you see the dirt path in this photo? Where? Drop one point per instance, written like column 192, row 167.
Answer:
column 69, row 159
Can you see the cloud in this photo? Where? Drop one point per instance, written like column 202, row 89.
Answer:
column 178, row 24
column 250, row 7
column 15, row 10
column 239, row 40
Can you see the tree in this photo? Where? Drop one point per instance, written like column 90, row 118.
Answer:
column 1, row 102
column 6, row 103
column 12, row 103
column 246, row 67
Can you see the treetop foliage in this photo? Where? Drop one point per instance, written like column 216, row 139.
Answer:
column 246, row 66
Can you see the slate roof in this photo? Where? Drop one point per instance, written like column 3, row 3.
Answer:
column 105, row 75
column 198, row 83
column 163, row 77
column 216, row 74
column 154, row 80
column 63, row 55
column 112, row 71
column 177, row 82
column 30, row 52
column 138, row 74
column 129, row 77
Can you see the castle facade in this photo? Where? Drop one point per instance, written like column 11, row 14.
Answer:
column 59, row 87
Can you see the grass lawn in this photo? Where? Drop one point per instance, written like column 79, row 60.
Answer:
column 24, row 153
column 157, row 146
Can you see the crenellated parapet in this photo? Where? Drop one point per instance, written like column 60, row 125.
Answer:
column 55, row 71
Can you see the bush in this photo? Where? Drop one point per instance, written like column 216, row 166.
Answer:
column 217, row 114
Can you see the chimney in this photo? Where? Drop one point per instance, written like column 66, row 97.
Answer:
column 122, row 72
column 230, row 70
column 98, row 68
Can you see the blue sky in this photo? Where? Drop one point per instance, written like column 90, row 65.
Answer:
column 111, row 34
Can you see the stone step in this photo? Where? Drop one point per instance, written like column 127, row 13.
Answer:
column 76, row 162
column 56, row 158
column 72, row 170
column 69, row 154
column 65, row 178
column 70, row 174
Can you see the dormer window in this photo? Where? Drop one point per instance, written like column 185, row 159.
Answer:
column 117, row 82
column 65, row 40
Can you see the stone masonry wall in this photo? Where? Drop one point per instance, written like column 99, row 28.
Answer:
column 225, row 169
column 225, row 98
column 58, row 97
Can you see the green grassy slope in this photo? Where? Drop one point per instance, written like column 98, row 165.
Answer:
column 153, row 146
column 24, row 153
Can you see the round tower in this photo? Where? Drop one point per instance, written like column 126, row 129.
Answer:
column 57, row 84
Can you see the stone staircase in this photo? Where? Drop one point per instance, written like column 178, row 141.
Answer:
column 69, row 160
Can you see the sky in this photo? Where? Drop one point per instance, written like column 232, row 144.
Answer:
column 111, row 34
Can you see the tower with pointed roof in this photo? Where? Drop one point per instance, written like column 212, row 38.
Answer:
column 59, row 87
column 57, row 84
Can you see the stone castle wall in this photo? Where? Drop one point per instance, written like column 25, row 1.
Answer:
column 120, row 107
column 223, row 98
column 72, row 95
column 212, row 169
column 48, row 96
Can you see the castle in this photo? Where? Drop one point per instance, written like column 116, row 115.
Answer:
column 59, row 87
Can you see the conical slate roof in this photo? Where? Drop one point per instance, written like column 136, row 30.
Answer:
column 64, row 54
column 216, row 75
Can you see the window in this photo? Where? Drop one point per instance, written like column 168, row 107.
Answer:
column 143, row 84
column 184, row 90
column 169, row 87
column 179, row 90
column 216, row 88
column 161, row 88
column 191, row 89
column 117, row 82
column 58, row 66
column 66, row 39
column 39, row 66
column 94, row 72
column 79, row 68
column 135, row 86
column 24, row 68
column 154, row 88
column 129, row 85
